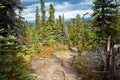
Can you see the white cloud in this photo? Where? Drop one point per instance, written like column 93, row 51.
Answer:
column 86, row 2
column 72, row 14
column 28, row 0
column 29, row 16
column 69, row 10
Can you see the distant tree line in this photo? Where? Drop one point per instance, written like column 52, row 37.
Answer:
column 52, row 32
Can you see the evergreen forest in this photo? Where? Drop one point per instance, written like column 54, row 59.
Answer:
column 23, row 44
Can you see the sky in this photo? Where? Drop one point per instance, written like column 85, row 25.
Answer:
column 67, row 7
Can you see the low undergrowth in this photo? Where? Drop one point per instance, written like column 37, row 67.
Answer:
column 85, row 68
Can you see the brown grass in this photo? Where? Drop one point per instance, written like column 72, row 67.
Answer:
column 46, row 51
column 61, row 47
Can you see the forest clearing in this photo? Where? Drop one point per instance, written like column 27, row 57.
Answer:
column 59, row 39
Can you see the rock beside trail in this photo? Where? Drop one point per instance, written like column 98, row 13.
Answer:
column 59, row 67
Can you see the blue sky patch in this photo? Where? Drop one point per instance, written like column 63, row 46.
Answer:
column 67, row 7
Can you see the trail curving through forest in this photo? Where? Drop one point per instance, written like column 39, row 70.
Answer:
column 59, row 67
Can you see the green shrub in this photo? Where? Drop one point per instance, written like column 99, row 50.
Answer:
column 84, row 68
column 13, row 65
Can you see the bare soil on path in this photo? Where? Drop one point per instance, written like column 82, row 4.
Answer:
column 59, row 67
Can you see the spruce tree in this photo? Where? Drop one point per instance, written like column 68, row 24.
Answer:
column 12, row 62
column 104, row 18
column 72, row 33
column 64, row 30
column 118, row 27
column 78, row 22
column 37, row 19
column 42, row 4
column 51, row 18
column 59, row 37
column 38, row 27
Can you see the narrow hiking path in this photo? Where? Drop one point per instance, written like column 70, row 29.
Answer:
column 59, row 67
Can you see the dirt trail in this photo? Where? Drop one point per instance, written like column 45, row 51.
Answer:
column 58, row 67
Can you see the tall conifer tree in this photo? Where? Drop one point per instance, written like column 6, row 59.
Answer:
column 51, row 15
column 59, row 30
column 118, row 27
column 43, row 12
column 104, row 18
column 64, row 30
column 12, row 64
column 37, row 19
column 78, row 21
column 72, row 33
